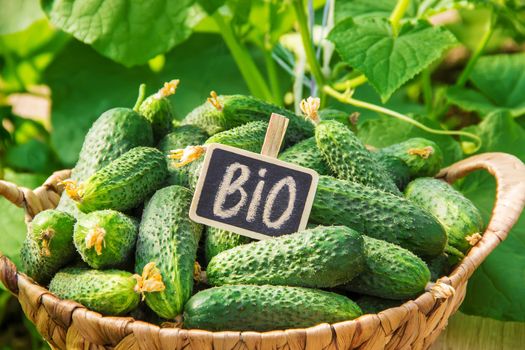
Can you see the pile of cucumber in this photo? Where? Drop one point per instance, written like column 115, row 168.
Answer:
column 121, row 242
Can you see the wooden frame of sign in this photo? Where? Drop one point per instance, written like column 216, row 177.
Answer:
column 240, row 191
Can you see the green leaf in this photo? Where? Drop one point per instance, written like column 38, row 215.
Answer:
column 18, row 15
column 210, row 6
column 12, row 225
column 499, row 83
column 389, row 61
column 497, row 288
column 387, row 131
column 129, row 32
column 85, row 84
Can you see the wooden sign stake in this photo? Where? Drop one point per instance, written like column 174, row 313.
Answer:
column 274, row 135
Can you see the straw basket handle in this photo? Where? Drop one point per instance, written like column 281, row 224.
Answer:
column 509, row 172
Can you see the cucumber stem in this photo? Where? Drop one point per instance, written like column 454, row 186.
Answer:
column 397, row 15
column 251, row 74
column 351, row 83
column 345, row 98
column 141, row 97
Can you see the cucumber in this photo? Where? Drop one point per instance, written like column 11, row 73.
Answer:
column 124, row 183
column 264, row 308
column 441, row 266
column 157, row 109
column 321, row 257
column 377, row 214
column 348, row 157
column 374, row 305
column 182, row 136
column 396, row 168
column 218, row 240
column 105, row 238
column 456, row 213
column 423, row 157
column 249, row 136
column 306, row 154
column 114, row 133
column 168, row 238
column 225, row 112
column 391, row 272
column 342, row 117
column 48, row 245
column 110, row 292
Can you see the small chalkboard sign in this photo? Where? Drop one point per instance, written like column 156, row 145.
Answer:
column 252, row 194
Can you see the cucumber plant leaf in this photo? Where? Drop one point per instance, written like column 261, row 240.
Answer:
column 84, row 84
column 497, row 288
column 388, row 61
column 129, row 32
column 498, row 82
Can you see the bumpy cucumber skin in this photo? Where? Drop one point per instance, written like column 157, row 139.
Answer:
column 391, row 272
column 218, row 240
column 119, row 240
column 335, row 114
column 456, row 213
column 418, row 165
column 348, row 157
column 373, row 305
column 114, row 133
column 395, row 167
column 159, row 112
column 238, row 110
column 249, row 136
column 182, row 136
column 170, row 239
column 306, row 153
column 320, row 258
column 126, row 182
column 264, row 308
column 36, row 264
column 110, row 292
column 377, row 214
column 440, row 266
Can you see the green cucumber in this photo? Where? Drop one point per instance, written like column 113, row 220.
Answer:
column 124, row 183
column 48, row 245
column 374, row 305
column 110, row 292
column 391, row 272
column 157, row 109
column 440, row 266
column 225, row 112
column 423, row 157
column 105, row 238
column 321, row 257
column 377, row 214
column 342, row 117
column 306, row 154
column 456, row 213
column 114, row 133
column 249, row 136
column 396, row 168
column 348, row 157
column 218, row 240
column 168, row 238
column 264, row 308
column 180, row 138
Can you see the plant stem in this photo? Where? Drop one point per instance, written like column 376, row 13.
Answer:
column 397, row 15
column 465, row 74
column 140, row 98
column 271, row 70
column 307, row 43
column 426, row 83
column 362, row 104
column 244, row 61
column 351, row 83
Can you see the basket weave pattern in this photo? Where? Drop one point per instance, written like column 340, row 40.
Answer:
column 414, row 325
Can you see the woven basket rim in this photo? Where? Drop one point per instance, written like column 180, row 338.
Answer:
column 508, row 170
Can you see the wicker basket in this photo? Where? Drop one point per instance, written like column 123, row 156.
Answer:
column 414, row 325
